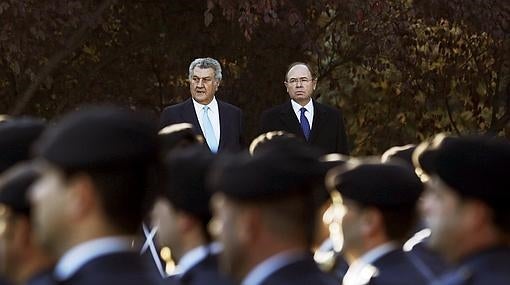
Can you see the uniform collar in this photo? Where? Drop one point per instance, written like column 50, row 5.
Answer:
column 78, row 256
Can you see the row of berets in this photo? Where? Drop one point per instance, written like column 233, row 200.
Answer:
column 74, row 194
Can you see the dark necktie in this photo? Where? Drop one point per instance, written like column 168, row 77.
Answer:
column 305, row 125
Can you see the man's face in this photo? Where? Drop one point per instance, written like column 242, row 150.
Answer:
column 49, row 198
column 229, row 218
column 352, row 228
column 444, row 213
column 10, row 241
column 300, row 84
column 203, row 85
column 164, row 216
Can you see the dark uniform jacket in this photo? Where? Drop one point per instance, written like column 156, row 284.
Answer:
column 121, row 268
column 393, row 268
column 491, row 266
column 301, row 272
column 204, row 272
column 44, row 277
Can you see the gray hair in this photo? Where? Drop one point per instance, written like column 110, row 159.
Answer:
column 206, row 62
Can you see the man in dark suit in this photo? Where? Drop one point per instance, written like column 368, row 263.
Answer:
column 466, row 206
column 182, row 214
column 266, row 208
column 318, row 124
column 380, row 204
column 220, row 123
column 97, row 167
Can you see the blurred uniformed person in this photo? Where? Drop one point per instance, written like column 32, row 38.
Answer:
column 267, row 208
column 182, row 214
column 466, row 206
column 431, row 263
column 329, row 254
column 172, row 137
column 96, row 170
column 379, row 201
column 22, row 261
column 16, row 137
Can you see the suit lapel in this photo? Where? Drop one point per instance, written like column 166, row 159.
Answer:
column 188, row 114
column 290, row 120
column 223, row 128
column 318, row 115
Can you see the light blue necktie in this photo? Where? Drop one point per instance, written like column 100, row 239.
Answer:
column 305, row 125
column 210, row 138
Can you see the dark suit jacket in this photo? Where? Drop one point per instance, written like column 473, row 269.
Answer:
column 231, row 122
column 126, row 268
column 395, row 268
column 328, row 130
column 204, row 272
column 301, row 272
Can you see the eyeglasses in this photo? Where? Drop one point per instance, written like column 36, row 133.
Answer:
column 302, row 80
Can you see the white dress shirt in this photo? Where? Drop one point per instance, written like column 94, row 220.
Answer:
column 264, row 269
column 78, row 256
column 308, row 114
column 214, row 116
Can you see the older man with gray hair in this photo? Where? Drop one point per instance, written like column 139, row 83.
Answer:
column 218, row 122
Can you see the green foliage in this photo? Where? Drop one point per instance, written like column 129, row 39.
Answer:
column 401, row 78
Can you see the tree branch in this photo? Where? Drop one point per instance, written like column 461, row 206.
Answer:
column 72, row 44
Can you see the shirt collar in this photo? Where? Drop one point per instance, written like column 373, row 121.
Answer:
column 264, row 269
column 296, row 107
column 372, row 255
column 361, row 270
column 192, row 258
column 213, row 106
column 81, row 254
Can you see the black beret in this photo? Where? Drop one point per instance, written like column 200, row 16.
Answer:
column 403, row 153
column 473, row 166
column 271, row 139
column 14, row 186
column 100, row 136
column 271, row 174
column 332, row 160
column 16, row 138
column 387, row 186
column 185, row 174
column 177, row 135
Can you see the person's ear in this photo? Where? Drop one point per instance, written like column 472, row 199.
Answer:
column 248, row 224
column 81, row 196
column 476, row 214
column 21, row 236
column 371, row 222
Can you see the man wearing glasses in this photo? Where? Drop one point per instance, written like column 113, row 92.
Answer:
column 317, row 124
